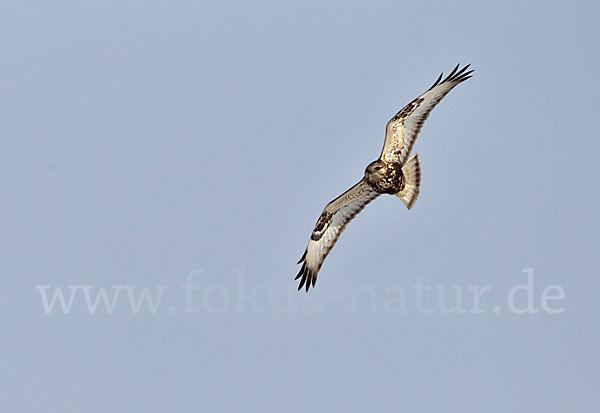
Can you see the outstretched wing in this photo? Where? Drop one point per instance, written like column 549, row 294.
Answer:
column 333, row 220
column 402, row 130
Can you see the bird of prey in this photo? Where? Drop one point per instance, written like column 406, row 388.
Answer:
column 393, row 173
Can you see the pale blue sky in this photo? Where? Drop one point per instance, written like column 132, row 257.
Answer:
column 144, row 141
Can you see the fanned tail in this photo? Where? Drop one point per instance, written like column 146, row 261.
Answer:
column 412, row 179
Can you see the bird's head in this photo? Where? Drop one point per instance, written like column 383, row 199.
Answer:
column 377, row 168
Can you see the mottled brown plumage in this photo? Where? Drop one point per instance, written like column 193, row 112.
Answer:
column 393, row 173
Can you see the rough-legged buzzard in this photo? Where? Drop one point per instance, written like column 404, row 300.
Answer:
column 393, row 173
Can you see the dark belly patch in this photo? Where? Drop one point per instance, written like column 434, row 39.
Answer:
column 391, row 182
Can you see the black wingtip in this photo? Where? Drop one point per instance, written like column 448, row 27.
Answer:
column 437, row 81
column 299, row 274
column 302, row 283
column 455, row 75
column 303, row 256
column 459, row 75
column 309, row 278
column 452, row 73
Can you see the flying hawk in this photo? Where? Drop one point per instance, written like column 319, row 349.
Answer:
column 393, row 173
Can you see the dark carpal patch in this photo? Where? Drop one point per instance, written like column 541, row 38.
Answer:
column 320, row 226
column 408, row 109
